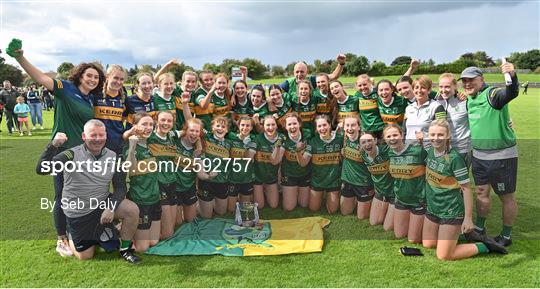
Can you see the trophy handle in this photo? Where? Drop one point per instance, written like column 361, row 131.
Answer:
column 238, row 216
column 256, row 214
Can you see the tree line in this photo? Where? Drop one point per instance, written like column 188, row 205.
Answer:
column 356, row 65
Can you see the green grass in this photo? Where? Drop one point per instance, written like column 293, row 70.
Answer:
column 489, row 77
column 354, row 255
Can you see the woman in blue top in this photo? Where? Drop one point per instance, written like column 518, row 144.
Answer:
column 34, row 102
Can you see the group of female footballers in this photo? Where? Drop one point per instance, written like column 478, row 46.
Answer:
column 311, row 145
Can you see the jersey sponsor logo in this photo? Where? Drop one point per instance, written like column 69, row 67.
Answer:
column 217, row 150
column 221, row 110
column 353, row 154
column 263, row 157
column 160, row 150
column 326, row 159
column 379, row 169
column 343, row 114
column 307, row 116
column 237, row 152
column 367, row 104
column 322, row 108
column 106, row 112
column 407, row 171
column 437, row 180
column 290, row 156
column 392, row 119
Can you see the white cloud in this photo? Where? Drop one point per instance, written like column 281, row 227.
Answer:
column 277, row 33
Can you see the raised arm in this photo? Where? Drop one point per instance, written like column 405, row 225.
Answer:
column 205, row 101
column 339, row 68
column 44, row 164
column 412, row 67
column 15, row 50
column 166, row 68
column 499, row 97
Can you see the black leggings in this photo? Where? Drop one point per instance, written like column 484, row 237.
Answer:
column 58, row 213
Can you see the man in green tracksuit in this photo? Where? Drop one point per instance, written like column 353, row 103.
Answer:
column 494, row 162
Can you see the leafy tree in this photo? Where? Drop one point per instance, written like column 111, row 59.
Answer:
column 64, row 69
column 400, row 60
column 377, row 68
column 357, row 66
column 256, row 70
column 277, row 70
column 211, row 67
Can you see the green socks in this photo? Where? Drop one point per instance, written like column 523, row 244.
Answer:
column 482, row 249
column 480, row 223
column 124, row 245
column 506, row 231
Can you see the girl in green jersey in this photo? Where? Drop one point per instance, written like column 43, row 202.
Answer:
column 279, row 104
column 305, row 105
column 241, row 171
column 377, row 161
column 242, row 105
column 342, row 104
column 324, row 153
column 295, row 179
column 357, row 187
column 407, row 166
column 164, row 99
column 187, row 152
column 259, row 105
column 391, row 106
column 449, row 199
column 143, row 184
column 266, row 165
column 163, row 147
column 367, row 105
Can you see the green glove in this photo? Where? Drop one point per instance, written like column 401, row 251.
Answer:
column 13, row 46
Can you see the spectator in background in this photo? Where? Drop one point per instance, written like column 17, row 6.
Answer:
column 8, row 97
column 34, row 102
column 22, row 109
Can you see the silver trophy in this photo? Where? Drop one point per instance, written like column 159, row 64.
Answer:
column 247, row 214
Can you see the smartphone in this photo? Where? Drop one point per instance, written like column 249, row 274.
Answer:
column 407, row 251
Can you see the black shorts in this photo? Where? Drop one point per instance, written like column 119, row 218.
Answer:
column 186, row 198
column 167, row 194
column 444, row 221
column 385, row 199
column 415, row 210
column 325, row 190
column 261, row 183
column 148, row 214
column 500, row 174
column 208, row 191
column 86, row 231
column 296, row 181
column 243, row 189
column 362, row 193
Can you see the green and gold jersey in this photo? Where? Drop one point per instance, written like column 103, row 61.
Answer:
column 321, row 100
column 164, row 150
column 265, row 171
column 71, row 111
column 444, row 176
column 143, row 183
column 289, row 163
column 379, row 170
column 203, row 114
column 354, row 170
column 325, row 161
column 262, row 110
column 241, row 170
column 185, row 175
column 408, row 169
column 349, row 107
column 242, row 109
column 370, row 116
column 177, row 94
column 283, row 110
column 307, row 112
column 394, row 112
column 215, row 153
column 161, row 104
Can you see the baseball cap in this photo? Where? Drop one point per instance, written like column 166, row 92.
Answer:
column 471, row 72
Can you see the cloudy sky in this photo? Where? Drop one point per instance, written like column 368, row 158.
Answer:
column 276, row 32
